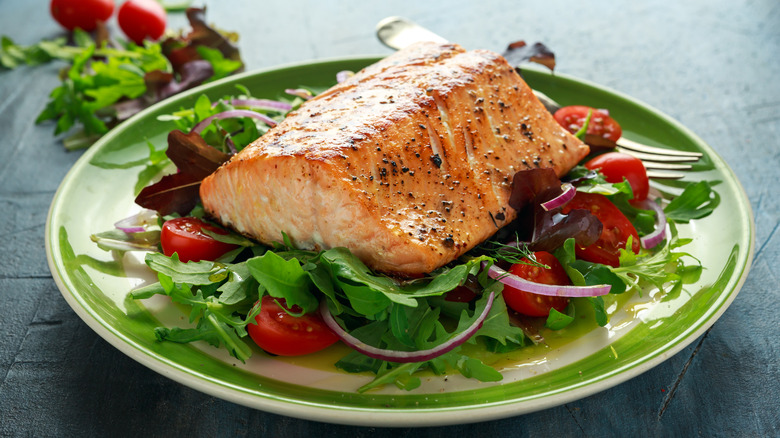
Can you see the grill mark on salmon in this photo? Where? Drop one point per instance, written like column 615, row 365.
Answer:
column 408, row 163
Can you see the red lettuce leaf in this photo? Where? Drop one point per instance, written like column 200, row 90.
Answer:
column 519, row 52
column 552, row 228
column 531, row 188
column 176, row 193
column 183, row 50
column 179, row 192
column 191, row 74
column 191, row 154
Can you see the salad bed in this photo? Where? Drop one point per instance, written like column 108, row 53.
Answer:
column 579, row 239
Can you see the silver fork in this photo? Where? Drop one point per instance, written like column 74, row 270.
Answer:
column 661, row 163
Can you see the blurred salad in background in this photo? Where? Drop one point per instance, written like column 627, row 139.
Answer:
column 108, row 79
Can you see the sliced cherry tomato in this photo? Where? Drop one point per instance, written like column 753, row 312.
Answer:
column 280, row 333
column 614, row 235
column 83, row 14
column 185, row 237
column 601, row 124
column 534, row 304
column 142, row 19
column 615, row 166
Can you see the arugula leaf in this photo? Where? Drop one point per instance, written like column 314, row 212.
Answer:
column 356, row 362
column 365, row 300
column 399, row 324
column 194, row 273
column 696, row 201
column 350, row 272
column 594, row 274
column 584, row 128
column 582, row 273
column 240, row 286
column 496, row 325
column 284, row 279
column 557, row 320
column 401, row 375
column 474, row 368
column 600, row 310
column 217, row 322
column 121, row 241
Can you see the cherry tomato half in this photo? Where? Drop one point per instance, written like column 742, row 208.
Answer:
column 185, row 237
column 534, row 304
column 614, row 235
column 615, row 166
column 142, row 19
column 83, row 14
column 601, row 124
column 280, row 333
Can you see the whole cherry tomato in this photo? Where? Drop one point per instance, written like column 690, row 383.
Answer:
column 601, row 124
column 615, row 166
column 532, row 304
column 83, row 14
column 185, row 237
column 142, row 19
column 280, row 333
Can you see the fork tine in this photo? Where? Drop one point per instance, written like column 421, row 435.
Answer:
column 666, row 166
column 654, row 174
column 660, row 158
column 634, row 146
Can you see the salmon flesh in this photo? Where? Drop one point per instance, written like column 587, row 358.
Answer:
column 408, row 164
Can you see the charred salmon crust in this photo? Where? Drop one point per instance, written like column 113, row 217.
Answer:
column 409, row 163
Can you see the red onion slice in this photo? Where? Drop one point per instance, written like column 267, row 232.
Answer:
column 233, row 114
column 568, row 193
column 300, row 92
column 519, row 283
column 659, row 234
column 259, row 103
column 404, row 356
column 344, row 75
column 231, row 146
column 137, row 223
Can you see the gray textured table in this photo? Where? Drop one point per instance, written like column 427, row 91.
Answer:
column 714, row 66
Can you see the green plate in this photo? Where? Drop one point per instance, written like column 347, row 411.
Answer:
column 645, row 329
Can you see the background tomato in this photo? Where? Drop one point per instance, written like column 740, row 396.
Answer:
column 83, row 14
column 280, row 333
column 615, row 166
column 601, row 124
column 142, row 19
column 614, row 235
column 534, row 304
column 185, row 237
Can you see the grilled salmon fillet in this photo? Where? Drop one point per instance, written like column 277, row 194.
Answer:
column 409, row 163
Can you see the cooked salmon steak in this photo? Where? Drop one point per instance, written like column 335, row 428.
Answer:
column 408, row 163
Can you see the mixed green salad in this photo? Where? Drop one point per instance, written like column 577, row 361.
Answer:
column 596, row 233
